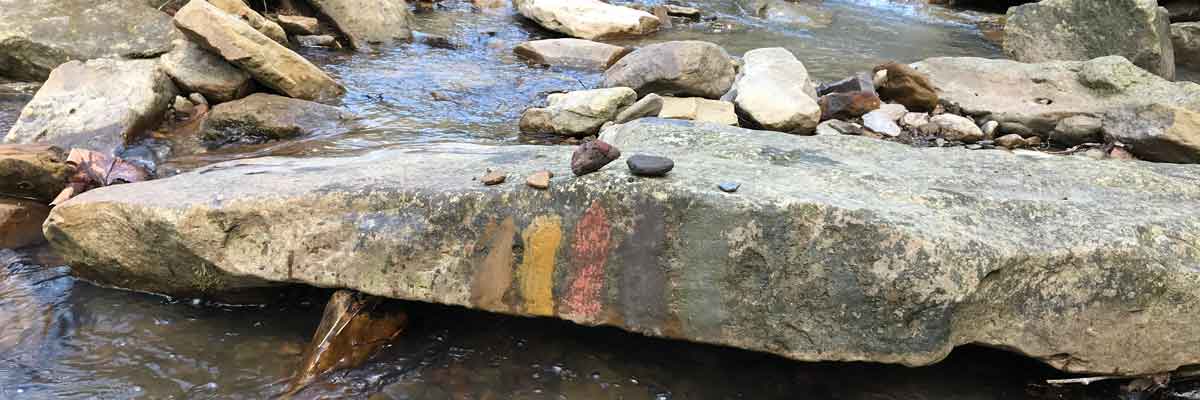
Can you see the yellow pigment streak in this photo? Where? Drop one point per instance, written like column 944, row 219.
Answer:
column 536, row 272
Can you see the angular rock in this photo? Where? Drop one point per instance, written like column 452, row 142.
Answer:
column 267, row 61
column 353, row 328
column 649, row 106
column 494, row 178
column 316, row 41
column 698, row 109
column 881, row 123
column 592, row 155
column 38, row 36
column 1157, row 132
column 650, row 166
column 1038, row 96
column 21, row 222
column 196, row 70
column 683, row 68
column 101, row 105
column 893, row 111
column 578, row 113
column 1182, row 10
column 860, row 82
column 1185, row 38
column 299, row 25
column 850, row 249
column 35, row 172
column 774, row 91
column 588, row 19
column 265, row 117
column 903, row 84
column 848, row 105
column 368, row 22
column 240, row 10
column 1077, row 130
column 575, row 53
column 1078, row 30
column 539, row 180
column 957, row 128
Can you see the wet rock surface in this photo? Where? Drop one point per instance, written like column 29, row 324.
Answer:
column 906, row 252
column 577, row 53
column 195, row 70
column 265, row 117
column 368, row 22
column 99, row 105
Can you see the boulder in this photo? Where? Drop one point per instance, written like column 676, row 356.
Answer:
column 100, row 105
column 1038, row 96
column 299, row 25
column 682, row 68
column 574, row 53
column 698, row 109
column 239, row 9
column 265, row 117
column 38, row 36
column 578, row 113
column 649, row 106
column 1157, row 132
column 267, row 61
column 836, row 248
column 36, row 172
column 21, row 222
column 1185, row 38
column 1078, row 30
column 588, row 19
column 368, row 22
column 774, row 91
column 196, row 70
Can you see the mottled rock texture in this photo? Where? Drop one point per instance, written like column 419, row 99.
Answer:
column 835, row 248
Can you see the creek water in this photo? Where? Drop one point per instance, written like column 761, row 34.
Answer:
column 61, row 338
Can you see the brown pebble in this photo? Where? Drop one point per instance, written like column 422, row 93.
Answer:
column 1119, row 153
column 494, row 178
column 539, row 180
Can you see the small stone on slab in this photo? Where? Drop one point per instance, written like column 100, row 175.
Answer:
column 539, row 180
column 729, row 187
column 644, row 165
column 494, row 178
column 591, row 156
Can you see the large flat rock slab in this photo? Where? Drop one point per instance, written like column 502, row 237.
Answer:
column 834, row 248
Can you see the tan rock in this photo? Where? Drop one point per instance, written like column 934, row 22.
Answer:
column 299, row 24
column 238, row 8
column 270, row 63
column 21, row 222
column 699, row 109
column 367, row 22
column 539, row 180
column 494, row 178
column 577, row 53
column 196, row 70
column 588, row 19
column 36, row 172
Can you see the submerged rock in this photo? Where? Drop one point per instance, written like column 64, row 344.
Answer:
column 1079, row 30
column 353, row 328
column 683, row 68
column 36, row 172
column 592, row 155
column 774, row 91
column 38, row 36
column 576, row 53
column 100, row 105
column 578, row 113
column 21, row 222
column 588, row 19
column 196, row 70
column 1157, row 132
column 699, row 109
column 241, row 11
column 368, row 22
column 1038, row 96
column 265, row 117
column 267, row 61
column 1046, row 259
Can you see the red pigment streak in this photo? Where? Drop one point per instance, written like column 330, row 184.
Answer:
column 590, row 246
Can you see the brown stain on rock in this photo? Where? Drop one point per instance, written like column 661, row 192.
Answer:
column 536, row 273
column 494, row 276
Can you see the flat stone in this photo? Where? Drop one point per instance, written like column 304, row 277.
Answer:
column 99, row 105
column 591, row 156
column 196, row 70
column 368, row 22
column 1080, row 30
column 265, row 117
column 539, row 180
column 21, row 222
column 860, row 82
column 773, row 90
column 494, row 178
column 1045, row 258
column 839, row 127
column 243, row 12
column 649, row 106
column 38, row 36
column 568, row 52
column 881, row 123
column 848, row 105
column 682, row 68
column 699, row 109
column 1040, row 95
column 652, row 166
column 579, row 113
column 267, row 61
column 588, row 19
column 729, row 187
column 300, row 25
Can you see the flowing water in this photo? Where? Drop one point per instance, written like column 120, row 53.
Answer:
column 65, row 339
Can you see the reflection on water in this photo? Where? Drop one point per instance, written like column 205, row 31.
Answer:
column 65, row 339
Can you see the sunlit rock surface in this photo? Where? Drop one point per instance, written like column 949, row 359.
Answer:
column 834, row 248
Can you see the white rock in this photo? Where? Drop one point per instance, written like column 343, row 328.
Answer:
column 774, row 90
column 578, row 113
column 588, row 19
column 914, row 120
column 957, row 128
column 882, row 123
